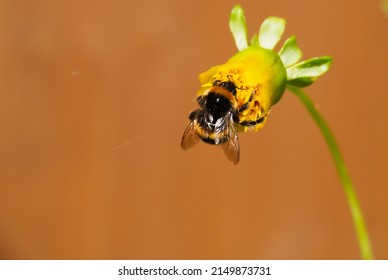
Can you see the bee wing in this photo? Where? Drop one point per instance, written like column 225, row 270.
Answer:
column 231, row 148
column 190, row 137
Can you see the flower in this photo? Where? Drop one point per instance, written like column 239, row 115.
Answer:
column 238, row 95
column 258, row 71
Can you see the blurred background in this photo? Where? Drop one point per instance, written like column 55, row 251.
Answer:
column 94, row 98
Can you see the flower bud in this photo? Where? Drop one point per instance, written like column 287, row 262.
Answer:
column 260, row 80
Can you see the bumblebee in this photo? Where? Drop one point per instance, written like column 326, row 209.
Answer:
column 213, row 122
column 235, row 97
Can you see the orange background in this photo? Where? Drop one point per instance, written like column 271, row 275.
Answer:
column 94, row 98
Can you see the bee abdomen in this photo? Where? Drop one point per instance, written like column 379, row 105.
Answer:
column 213, row 139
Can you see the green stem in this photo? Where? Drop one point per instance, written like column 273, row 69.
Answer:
column 354, row 205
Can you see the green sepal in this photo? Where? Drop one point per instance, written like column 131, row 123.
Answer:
column 306, row 72
column 271, row 30
column 254, row 40
column 238, row 27
column 290, row 53
column 384, row 6
column 301, row 82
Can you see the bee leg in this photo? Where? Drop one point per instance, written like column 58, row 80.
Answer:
column 253, row 123
column 245, row 105
column 216, row 82
column 259, row 120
